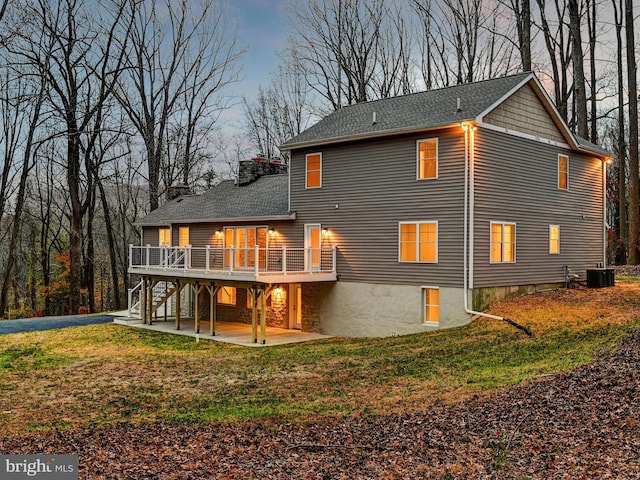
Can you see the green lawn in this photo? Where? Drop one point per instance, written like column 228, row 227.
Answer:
column 108, row 374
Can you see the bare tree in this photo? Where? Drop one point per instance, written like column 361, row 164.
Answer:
column 336, row 42
column 558, row 49
column 593, row 80
column 279, row 112
column 33, row 118
column 80, row 52
column 182, row 60
column 622, row 170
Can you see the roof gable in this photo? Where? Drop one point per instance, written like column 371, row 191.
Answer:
column 523, row 111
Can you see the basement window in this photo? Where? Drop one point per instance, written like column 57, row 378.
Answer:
column 431, row 305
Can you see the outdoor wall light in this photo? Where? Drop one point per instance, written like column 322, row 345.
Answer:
column 325, row 231
column 218, row 233
column 272, row 231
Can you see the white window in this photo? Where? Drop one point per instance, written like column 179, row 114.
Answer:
column 226, row 296
column 183, row 237
column 418, row 242
column 431, row 305
column 503, row 242
column 313, row 170
column 554, row 239
column 563, row 172
column 164, row 237
column 427, row 158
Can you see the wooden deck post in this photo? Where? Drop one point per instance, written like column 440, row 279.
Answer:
column 149, row 306
column 178, row 307
column 213, row 307
column 152, row 314
column 263, row 315
column 143, row 301
column 254, row 313
column 197, row 312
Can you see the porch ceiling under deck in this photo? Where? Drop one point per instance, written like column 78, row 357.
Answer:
column 236, row 276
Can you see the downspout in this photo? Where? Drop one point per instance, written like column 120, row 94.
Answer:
column 468, row 233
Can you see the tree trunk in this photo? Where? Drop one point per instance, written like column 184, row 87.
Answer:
column 579, row 87
column 111, row 245
column 525, row 44
column 622, row 149
column 20, row 201
column 89, row 269
column 592, row 72
column 634, row 256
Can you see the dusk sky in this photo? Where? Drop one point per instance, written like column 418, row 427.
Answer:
column 263, row 28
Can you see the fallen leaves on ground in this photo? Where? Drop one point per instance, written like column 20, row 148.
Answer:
column 584, row 424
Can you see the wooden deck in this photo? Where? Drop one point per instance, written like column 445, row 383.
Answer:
column 226, row 332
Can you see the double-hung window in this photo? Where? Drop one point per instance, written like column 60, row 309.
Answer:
column 427, row 158
column 554, row 239
column 503, row 242
column 419, row 242
column 563, row 172
column 313, row 170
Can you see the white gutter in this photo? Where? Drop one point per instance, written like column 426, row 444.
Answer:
column 468, row 230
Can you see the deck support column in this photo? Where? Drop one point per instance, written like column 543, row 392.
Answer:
column 143, row 301
column 254, row 314
column 197, row 312
column 263, row 315
column 213, row 307
column 178, row 301
column 149, row 305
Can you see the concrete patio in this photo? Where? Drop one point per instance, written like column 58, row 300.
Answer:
column 226, row 332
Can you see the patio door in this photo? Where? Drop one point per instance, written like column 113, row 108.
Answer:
column 244, row 240
column 295, row 305
column 312, row 243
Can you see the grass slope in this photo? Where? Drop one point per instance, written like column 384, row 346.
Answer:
column 102, row 375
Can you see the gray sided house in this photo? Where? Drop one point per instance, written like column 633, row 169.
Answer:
column 397, row 216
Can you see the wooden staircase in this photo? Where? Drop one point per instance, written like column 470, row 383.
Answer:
column 161, row 292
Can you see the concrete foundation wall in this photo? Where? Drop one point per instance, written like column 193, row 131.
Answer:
column 483, row 298
column 373, row 310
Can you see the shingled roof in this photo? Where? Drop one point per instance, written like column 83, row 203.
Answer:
column 417, row 111
column 428, row 110
column 265, row 198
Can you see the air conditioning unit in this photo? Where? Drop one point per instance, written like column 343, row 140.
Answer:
column 601, row 277
column 596, row 278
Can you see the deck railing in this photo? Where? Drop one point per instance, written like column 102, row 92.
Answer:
column 280, row 260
